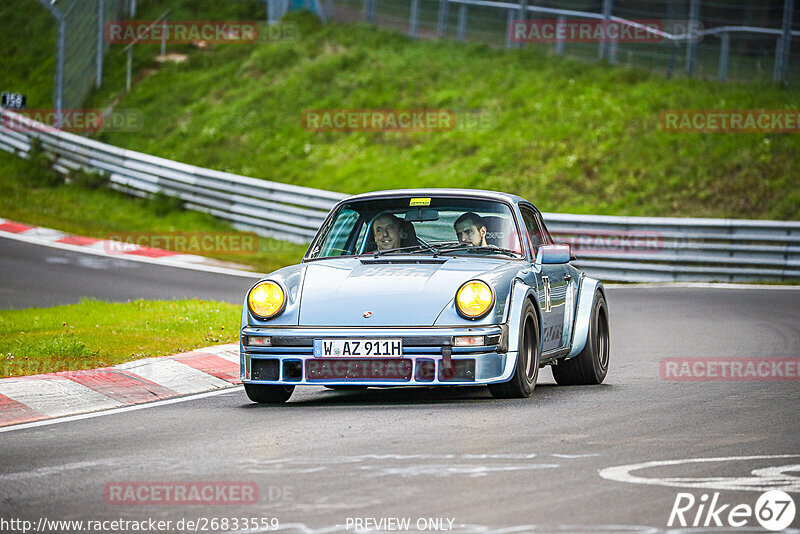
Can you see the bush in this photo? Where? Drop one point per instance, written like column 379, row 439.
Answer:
column 42, row 173
column 164, row 204
column 307, row 22
column 89, row 179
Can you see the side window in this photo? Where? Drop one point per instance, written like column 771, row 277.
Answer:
column 336, row 241
column 547, row 239
column 534, row 233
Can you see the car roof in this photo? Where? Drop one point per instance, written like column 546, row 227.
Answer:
column 440, row 192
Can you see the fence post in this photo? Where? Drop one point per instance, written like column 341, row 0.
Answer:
column 509, row 27
column 559, row 40
column 369, row 11
column 128, row 73
column 164, row 37
column 58, row 83
column 441, row 26
column 99, row 60
column 412, row 23
column 60, row 57
column 691, row 46
column 673, row 59
column 784, row 42
column 462, row 22
column 523, row 15
column 329, row 10
column 724, row 52
column 608, row 6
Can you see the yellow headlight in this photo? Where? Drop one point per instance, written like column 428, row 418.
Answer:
column 474, row 299
column 266, row 300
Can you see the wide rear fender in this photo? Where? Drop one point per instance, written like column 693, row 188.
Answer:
column 583, row 314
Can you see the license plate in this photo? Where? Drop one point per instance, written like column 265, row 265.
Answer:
column 357, row 348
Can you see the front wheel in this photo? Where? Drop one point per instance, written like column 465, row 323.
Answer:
column 268, row 394
column 591, row 365
column 527, row 372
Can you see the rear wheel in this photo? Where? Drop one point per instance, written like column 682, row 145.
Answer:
column 263, row 394
column 591, row 365
column 527, row 372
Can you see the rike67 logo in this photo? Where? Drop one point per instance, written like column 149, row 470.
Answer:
column 774, row 510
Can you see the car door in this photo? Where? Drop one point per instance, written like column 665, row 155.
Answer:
column 562, row 290
column 552, row 285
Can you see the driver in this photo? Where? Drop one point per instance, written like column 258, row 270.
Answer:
column 471, row 230
column 386, row 228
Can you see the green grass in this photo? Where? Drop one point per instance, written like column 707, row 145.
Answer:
column 97, row 334
column 100, row 212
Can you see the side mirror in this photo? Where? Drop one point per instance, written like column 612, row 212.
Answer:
column 549, row 254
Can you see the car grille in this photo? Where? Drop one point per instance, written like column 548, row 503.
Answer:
column 400, row 369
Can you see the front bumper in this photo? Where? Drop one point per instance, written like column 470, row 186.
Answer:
column 428, row 358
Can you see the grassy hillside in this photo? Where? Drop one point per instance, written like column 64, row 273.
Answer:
column 572, row 137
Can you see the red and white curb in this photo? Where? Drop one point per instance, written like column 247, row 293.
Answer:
column 34, row 398
column 116, row 249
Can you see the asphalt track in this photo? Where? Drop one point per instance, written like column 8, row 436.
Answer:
column 37, row 275
column 538, row 465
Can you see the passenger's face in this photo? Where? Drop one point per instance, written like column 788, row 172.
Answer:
column 469, row 234
column 387, row 232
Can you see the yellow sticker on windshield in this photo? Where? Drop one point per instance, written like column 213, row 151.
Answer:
column 420, row 202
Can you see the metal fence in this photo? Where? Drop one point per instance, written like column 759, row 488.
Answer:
column 80, row 46
column 612, row 248
column 740, row 40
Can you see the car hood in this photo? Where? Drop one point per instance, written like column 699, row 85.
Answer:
column 393, row 292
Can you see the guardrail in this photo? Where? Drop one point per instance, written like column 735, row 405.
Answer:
column 640, row 249
column 272, row 209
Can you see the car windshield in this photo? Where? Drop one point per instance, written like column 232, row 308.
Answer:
column 419, row 225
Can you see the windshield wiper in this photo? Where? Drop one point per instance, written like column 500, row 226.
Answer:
column 473, row 249
column 444, row 248
column 410, row 248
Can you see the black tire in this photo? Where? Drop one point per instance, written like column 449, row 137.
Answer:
column 526, row 373
column 263, row 394
column 591, row 365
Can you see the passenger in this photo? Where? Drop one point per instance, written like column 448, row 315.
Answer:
column 387, row 230
column 471, row 230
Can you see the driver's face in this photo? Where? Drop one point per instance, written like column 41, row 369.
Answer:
column 469, row 234
column 387, row 232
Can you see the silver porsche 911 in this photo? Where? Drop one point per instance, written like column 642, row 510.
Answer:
column 436, row 287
